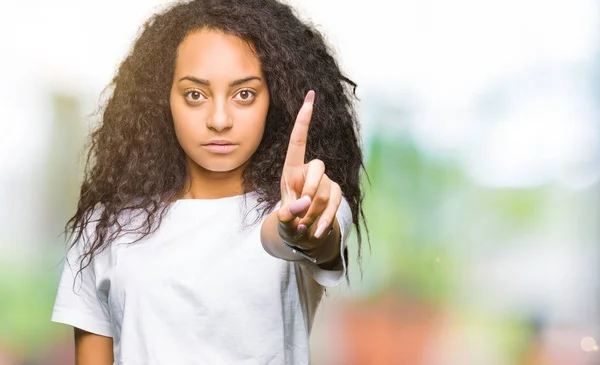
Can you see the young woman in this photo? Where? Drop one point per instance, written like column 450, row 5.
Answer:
column 221, row 185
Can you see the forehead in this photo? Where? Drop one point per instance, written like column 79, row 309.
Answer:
column 214, row 54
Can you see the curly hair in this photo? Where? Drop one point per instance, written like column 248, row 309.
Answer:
column 134, row 161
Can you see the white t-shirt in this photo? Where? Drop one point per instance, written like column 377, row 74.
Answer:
column 200, row 290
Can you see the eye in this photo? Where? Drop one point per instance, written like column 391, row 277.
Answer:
column 194, row 96
column 245, row 95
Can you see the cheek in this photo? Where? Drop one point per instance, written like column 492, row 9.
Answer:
column 255, row 129
column 183, row 122
column 261, row 119
column 175, row 115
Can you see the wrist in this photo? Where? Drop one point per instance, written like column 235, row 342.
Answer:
column 324, row 250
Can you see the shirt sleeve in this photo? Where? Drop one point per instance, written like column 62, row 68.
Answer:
column 77, row 301
column 332, row 278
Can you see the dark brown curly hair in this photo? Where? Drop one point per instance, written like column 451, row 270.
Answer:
column 134, row 161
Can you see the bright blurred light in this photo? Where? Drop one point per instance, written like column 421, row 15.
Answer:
column 588, row 344
column 446, row 55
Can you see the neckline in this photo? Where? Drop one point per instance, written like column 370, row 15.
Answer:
column 208, row 200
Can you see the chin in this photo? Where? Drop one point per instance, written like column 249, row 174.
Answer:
column 220, row 166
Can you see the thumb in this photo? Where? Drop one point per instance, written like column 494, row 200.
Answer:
column 287, row 213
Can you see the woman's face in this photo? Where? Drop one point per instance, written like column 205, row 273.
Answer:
column 219, row 101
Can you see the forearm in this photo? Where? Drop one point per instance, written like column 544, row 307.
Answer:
column 326, row 248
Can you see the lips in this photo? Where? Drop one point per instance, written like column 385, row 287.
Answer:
column 219, row 142
column 220, row 146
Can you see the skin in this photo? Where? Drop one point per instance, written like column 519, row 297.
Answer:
column 220, row 92
column 205, row 106
column 309, row 201
column 92, row 349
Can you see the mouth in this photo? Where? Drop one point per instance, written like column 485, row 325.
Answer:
column 220, row 147
column 219, row 142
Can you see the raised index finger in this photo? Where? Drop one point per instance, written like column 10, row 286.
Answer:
column 297, row 147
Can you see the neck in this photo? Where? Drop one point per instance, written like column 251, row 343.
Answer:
column 205, row 184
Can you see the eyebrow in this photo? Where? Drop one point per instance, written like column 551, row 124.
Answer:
column 231, row 84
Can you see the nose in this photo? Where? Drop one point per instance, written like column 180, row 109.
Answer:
column 219, row 119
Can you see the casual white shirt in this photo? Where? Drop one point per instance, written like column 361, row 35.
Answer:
column 199, row 290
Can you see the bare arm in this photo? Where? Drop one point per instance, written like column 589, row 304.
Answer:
column 92, row 349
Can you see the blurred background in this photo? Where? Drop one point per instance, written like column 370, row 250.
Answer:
column 482, row 141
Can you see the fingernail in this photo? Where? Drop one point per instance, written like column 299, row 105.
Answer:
column 310, row 97
column 301, row 228
column 320, row 229
column 299, row 205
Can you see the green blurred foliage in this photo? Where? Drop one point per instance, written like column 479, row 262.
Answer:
column 406, row 209
column 27, row 294
column 423, row 212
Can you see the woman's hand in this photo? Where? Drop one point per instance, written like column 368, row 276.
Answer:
column 309, row 198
